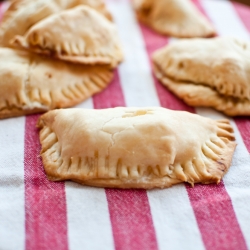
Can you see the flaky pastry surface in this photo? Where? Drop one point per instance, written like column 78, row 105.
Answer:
column 79, row 35
column 207, row 72
column 31, row 84
column 22, row 14
column 178, row 18
column 134, row 147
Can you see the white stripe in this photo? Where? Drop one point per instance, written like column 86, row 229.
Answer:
column 134, row 72
column 226, row 21
column 237, row 184
column 87, row 104
column 238, row 177
column 174, row 219
column 169, row 207
column 89, row 225
column 87, row 210
column 12, row 213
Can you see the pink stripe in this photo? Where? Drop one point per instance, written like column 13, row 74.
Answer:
column 129, row 210
column 244, row 123
column 243, row 12
column 131, row 219
column 211, row 203
column 200, row 8
column 244, row 127
column 216, row 217
column 111, row 97
column 1, row 11
column 45, row 201
column 167, row 99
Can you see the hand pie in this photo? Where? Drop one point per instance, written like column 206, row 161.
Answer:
column 31, row 84
column 178, row 18
column 134, row 147
column 207, row 72
column 79, row 35
column 22, row 14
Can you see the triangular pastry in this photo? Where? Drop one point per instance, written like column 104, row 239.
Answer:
column 207, row 72
column 79, row 35
column 134, row 147
column 22, row 14
column 178, row 18
column 31, row 84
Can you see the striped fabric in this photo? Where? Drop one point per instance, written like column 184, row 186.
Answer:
column 38, row 214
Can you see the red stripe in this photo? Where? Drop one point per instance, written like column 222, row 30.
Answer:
column 111, row 97
column 211, row 203
column 216, row 217
column 45, row 201
column 244, row 127
column 131, row 219
column 129, row 210
column 167, row 99
column 244, row 123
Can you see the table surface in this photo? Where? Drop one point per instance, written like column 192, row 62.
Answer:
column 38, row 214
column 246, row 2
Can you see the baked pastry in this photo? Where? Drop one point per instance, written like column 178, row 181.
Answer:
column 31, row 84
column 134, row 147
column 207, row 72
column 178, row 18
column 22, row 14
column 79, row 35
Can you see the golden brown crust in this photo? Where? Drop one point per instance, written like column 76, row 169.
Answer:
column 22, row 14
column 134, row 147
column 178, row 18
column 203, row 96
column 16, row 112
column 79, row 35
column 31, row 84
column 202, row 74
